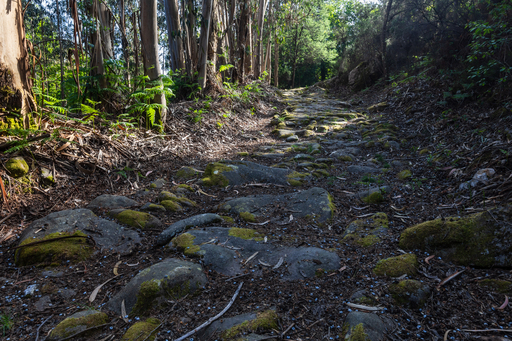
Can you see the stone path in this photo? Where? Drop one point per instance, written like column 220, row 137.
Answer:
column 317, row 135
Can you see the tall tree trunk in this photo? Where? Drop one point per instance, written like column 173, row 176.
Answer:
column 124, row 42
column 61, row 52
column 231, row 31
column 266, row 65
column 203, row 41
column 214, row 34
column 97, row 66
column 174, row 34
column 298, row 34
column 249, row 46
column 135, row 42
column 276, row 64
column 15, row 81
column 383, row 39
column 149, row 35
column 192, row 37
column 105, row 18
column 243, row 34
column 259, row 45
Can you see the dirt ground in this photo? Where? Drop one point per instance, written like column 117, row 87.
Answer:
column 461, row 139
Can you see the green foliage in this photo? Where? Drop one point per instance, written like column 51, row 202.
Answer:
column 6, row 322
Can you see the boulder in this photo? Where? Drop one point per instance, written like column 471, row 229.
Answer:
column 365, row 326
column 152, row 287
column 77, row 324
column 17, row 167
column 110, row 202
column 315, row 203
column 482, row 240
column 229, row 258
column 81, row 223
column 180, row 226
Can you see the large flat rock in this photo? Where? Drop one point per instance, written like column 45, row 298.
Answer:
column 238, row 245
column 242, row 172
column 152, row 287
column 314, row 203
column 107, row 235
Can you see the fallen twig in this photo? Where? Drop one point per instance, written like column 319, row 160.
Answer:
column 38, row 328
column 449, row 278
column 364, row 307
column 207, row 323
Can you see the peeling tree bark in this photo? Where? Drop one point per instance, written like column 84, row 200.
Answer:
column 203, row 41
column 15, row 81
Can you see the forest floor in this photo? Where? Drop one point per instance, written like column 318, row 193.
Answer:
column 441, row 146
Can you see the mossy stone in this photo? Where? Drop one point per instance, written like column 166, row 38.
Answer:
column 296, row 178
column 55, row 252
column 308, row 133
column 228, row 219
column 166, row 195
column 148, row 292
column 358, row 334
column 140, row 331
column 243, row 154
column 78, row 323
column 171, row 205
column 185, row 243
column 213, row 175
column 186, row 202
column 186, row 173
column 466, row 240
column 248, row 234
column 182, row 188
column 17, row 167
column 345, row 158
column 153, row 208
column 248, row 217
column 47, row 177
column 409, row 292
column 499, row 285
column 133, row 218
column 405, row 264
column 424, row 151
column 374, row 198
column 405, row 174
column 266, row 320
column 320, row 173
column 368, row 241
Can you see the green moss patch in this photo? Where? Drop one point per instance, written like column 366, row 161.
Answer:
column 499, row 285
column 466, row 241
column 264, row 321
column 296, row 178
column 17, row 167
column 171, row 205
column 405, row 174
column 247, row 216
column 321, row 173
column 54, row 252
column 149, row 291
column 133, row 218
column 72, row 326
column 397, row 266
column 142, row 331
column 166, row 195
column 228, row 219
column 410, row 293
column 183, row 188
column 374, row 198
column 186, row 173
column 248, row 234
column 358, row 334
column 213, row 175
column 185, row 243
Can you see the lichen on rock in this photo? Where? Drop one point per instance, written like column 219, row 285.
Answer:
column 243, row 233
column 264, row 321
column 81, row 323
column 409, row 292
column 185, row 243
column 213, row 175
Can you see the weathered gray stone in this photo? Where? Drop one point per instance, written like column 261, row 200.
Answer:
column 314, row 203
column 367, row 192
column 47, row 177
column 374, row 327
column 152, row 207
column 78, row 323
column 410, row 293
column 158, row 183
column 152, row 287
column 182, row 225
column 107, row 235
column 242, row 172
column 355, row 169
column 110, row 202
column 299, row 262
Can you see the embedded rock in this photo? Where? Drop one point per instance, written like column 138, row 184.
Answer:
column 17, row 167
column 110, row 202
column 180, row 226
column 365, row 326
column 81, row 223
column 229, row 258
column 315, row 203
column 78, row 323
column 481, row 240
column 152, row 287
column 242, row 172
column 136, row 219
